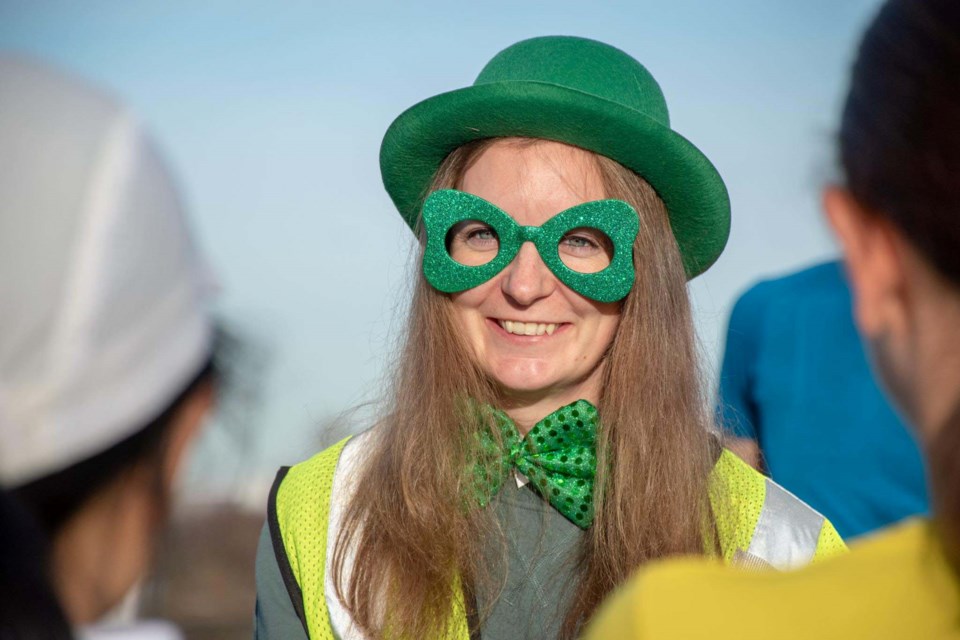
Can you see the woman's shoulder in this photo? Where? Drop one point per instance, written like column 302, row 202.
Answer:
column 319, row 473
column 880, row 590
column 758, row 518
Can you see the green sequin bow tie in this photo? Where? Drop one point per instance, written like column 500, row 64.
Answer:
column 558, row 455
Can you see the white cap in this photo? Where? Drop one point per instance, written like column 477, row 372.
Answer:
column 140, row 630
column 102, row 314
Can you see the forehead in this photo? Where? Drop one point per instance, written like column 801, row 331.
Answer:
column 534, row 180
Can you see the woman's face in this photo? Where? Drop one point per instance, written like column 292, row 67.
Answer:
column 561, row 360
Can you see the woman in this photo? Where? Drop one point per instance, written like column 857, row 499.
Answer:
column 550, row 329
column 897, row 218
column 106, row 344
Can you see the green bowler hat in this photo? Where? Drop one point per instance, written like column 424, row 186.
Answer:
column 573, row 90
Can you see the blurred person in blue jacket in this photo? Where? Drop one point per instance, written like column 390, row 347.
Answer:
column 797, row 396
column 106, row 344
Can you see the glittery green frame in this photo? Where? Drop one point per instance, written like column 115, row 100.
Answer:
column 445, row 208
column 579, row 92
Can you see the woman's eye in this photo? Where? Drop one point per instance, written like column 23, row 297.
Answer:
column 472, row 242
column 586, row 250
column 481, row 234
column 580, row 242
column 471, row 233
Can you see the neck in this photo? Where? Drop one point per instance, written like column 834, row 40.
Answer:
column 936, row 375
column 99, row 552
column 528, row 408
column 938, row 391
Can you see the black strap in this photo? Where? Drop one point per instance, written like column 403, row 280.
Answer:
column 473, row 618
column 290, row 581
column 286, row 571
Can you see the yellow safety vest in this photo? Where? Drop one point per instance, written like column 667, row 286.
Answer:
column 757, row 521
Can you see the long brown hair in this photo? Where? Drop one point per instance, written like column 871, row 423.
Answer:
column 406, row 539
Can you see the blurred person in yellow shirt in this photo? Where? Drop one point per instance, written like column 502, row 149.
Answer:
column 897, row 218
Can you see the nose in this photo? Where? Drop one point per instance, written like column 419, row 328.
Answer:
column 527, row 279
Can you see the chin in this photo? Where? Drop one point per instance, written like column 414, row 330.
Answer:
column 524, row 387
column 525, row 379
column 533, row 377
column 528, row 378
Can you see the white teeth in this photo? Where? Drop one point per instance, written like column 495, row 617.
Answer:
column 527, row 328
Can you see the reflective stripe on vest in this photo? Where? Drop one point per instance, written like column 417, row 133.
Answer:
column 757, row 522
column 787, row 530
column 761, row 523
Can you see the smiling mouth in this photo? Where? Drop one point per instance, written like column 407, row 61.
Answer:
column 528, row 328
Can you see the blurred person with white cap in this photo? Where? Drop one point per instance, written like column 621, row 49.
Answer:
column 106, row 343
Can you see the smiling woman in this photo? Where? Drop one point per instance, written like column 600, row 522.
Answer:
column 550, row 328
column 536, row 372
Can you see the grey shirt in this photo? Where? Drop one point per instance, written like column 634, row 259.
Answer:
column 540, row 572
column 274, row 616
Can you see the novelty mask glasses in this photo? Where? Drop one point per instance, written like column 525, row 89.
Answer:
column 470, row 241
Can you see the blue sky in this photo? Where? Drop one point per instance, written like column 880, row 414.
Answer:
column 272, row 115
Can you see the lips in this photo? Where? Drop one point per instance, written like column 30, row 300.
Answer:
column 519, row 328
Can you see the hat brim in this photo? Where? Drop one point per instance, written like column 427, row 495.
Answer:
column 691, row 188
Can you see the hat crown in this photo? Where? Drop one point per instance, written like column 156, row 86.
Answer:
column 583, row 65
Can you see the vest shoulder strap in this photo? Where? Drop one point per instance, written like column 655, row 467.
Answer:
column 737, row 492
column 761, row 523
column 299, row 511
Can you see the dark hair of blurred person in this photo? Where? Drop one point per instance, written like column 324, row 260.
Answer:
column 106, row 343
column 28, row 607
column 897, row 218
column 76, row 507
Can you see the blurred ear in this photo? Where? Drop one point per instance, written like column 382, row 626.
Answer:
column 872, row 253
column 187, row 423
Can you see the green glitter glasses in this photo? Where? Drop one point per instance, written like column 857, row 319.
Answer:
column 589, row 247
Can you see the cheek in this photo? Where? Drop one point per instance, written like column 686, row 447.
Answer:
column 606, row 331
column 467, row 315
column 604, row 319
column 609, row 330
column 469, row 303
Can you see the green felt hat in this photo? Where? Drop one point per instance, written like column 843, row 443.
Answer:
column 573, row 90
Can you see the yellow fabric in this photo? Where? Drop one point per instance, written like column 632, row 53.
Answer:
column 303, row 512
column 829, row 544
column 737, row 493
column 895, row 585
